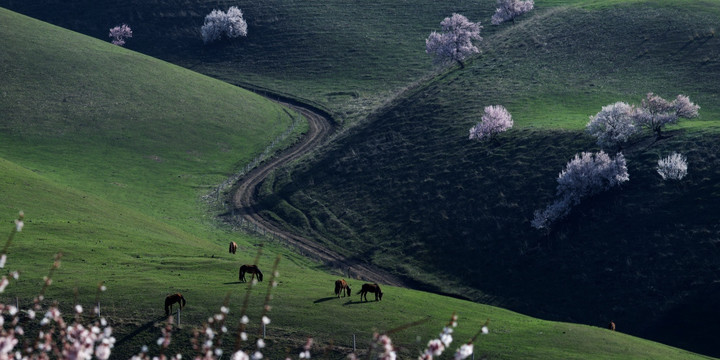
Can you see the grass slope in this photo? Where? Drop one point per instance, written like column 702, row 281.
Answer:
column 345, row 56
column 61, row 162
column 411, row 193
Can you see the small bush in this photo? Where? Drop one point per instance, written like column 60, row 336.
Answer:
column 673, row 167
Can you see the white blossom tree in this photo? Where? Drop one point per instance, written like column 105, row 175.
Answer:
column 510, row 9
column 120, row 33
column 495, row 120
column 673, row 167
column 585, row 175
column 613, row 125
column 655, row 112
column 218, row 24
column 454, row 43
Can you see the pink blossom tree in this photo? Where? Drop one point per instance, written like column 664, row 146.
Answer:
column 495, row 120
column 673, row 167
column 655, row 112
column 454, row 43
column 229, row 24
column 613, row 125
column 585, row 175
column 510, row 9
column 120, row 33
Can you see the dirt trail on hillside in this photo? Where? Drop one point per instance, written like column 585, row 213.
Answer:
column 245, row 200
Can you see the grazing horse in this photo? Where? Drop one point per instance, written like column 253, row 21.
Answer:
column 253, row 270
column 233, row 247
column 341, row 286
column 611, row 325
column 172, row 299
column 373, row 288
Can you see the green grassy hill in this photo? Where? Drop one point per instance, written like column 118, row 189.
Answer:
column 96, row 149
column 347, row 57
column 411, row 193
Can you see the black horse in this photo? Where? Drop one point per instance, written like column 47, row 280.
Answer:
column 253, row 270
column 373, row 288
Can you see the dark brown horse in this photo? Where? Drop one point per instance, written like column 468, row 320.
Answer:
column 611, row 325
column 251, row 269
column 341, row 286
column 373, row 288
column 233, row 247
column 172, row 299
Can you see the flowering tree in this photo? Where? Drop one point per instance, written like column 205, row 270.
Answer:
column 120, row 33
column 613, row 125
column 585, row 175
column 510, row 9
column 218, row 24
column 496, row 119
column 655, row 112
column 454, row 44
column 673, row 167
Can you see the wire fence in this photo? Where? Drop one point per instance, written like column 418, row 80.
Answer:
column 216, row 193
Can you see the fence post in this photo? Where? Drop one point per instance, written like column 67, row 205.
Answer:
column 98, row 307
column 17, row 303
column 353, row 342
column 264, row 327
column 178, row 316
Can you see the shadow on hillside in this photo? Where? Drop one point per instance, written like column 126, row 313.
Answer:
column 147, row 326
column 350, row 302
column 234, row 282
column 324, row 299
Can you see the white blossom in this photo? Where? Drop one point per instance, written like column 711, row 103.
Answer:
column 613, row 125
column 464, row 351
column 494, row 120
column 218, row 24
column 454, row 44
column 585, row 175
column 673, row 167
column 510, row 9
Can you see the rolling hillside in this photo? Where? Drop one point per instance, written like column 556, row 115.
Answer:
column 346, row 57
column 96, row 147
column 408, row 191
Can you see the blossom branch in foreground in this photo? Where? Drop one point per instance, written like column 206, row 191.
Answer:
column 467, row 349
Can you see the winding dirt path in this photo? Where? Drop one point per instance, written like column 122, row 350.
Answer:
column 245, row 200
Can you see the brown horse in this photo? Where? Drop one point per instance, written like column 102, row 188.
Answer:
column 373, row 288
column 233, row 247
column 253, row 270
column 172, row 299
column 341, row 286
column 611, row 325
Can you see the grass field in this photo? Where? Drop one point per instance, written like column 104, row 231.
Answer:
column 410, row 192
column 96, row 148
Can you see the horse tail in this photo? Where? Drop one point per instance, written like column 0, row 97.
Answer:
column 182, row 298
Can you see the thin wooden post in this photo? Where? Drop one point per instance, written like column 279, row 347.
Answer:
column 178, row 315
column 264, row 328
column 98, row 307
column 17, row 303
column 353, row 342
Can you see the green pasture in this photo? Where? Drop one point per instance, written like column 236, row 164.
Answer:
column 410, row 191
column 109, row 153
